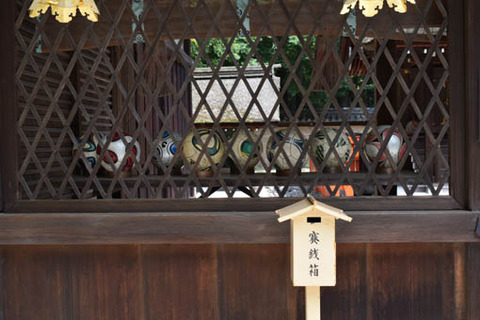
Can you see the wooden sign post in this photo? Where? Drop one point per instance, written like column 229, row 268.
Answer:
column 312, row 238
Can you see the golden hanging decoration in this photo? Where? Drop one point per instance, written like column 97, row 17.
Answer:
column 372, row 7
column 65, row 10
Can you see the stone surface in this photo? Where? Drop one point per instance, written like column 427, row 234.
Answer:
column 241, row 99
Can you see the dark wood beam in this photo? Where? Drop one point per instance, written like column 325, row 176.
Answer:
column 8, row 118
column 473, row 103
column 457, row 96
column 222, row 205
column 473, row 281
column 233, row 227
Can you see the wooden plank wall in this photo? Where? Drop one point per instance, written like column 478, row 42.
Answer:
column 40, row 115
column 473, row 281
column 375, row 281
column 92, row 100
column 32, row 124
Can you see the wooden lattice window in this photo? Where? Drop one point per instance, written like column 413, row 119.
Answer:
column 291, row 78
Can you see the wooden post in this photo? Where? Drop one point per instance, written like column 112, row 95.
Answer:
column 313, row 248
column 312, row 303
column 8, row 108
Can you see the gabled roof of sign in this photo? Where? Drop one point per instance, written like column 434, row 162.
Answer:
column 307, row 205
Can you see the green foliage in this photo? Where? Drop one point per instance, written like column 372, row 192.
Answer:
column 345, row 94
column 215, row 51
column 368, row 93
column 266, row 49
column 294, row 54
column 265, row 53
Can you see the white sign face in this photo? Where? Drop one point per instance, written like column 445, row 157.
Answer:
column 313, row 250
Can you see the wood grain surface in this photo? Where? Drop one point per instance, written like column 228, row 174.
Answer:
column 8, row 110
column 229, row 227
column 151, row 282
column 235, row 204
column 473, row 281
column 473, row 103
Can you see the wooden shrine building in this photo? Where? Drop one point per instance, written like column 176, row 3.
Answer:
column 117, row 202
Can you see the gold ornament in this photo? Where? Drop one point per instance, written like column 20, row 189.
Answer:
column 65, row 10
column 372, row 7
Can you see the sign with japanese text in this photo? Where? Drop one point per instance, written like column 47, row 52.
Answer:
column 313, row 250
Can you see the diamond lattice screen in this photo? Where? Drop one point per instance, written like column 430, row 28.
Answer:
column 225, row 98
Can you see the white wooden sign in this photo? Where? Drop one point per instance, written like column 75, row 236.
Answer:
column 313, row 248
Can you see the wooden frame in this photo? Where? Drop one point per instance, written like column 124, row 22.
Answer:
column 236, row 204
column 147, row 224
column 311, row 179
column 457, row 73
column 472, row 27
column 8, row 118
column 228, row 227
